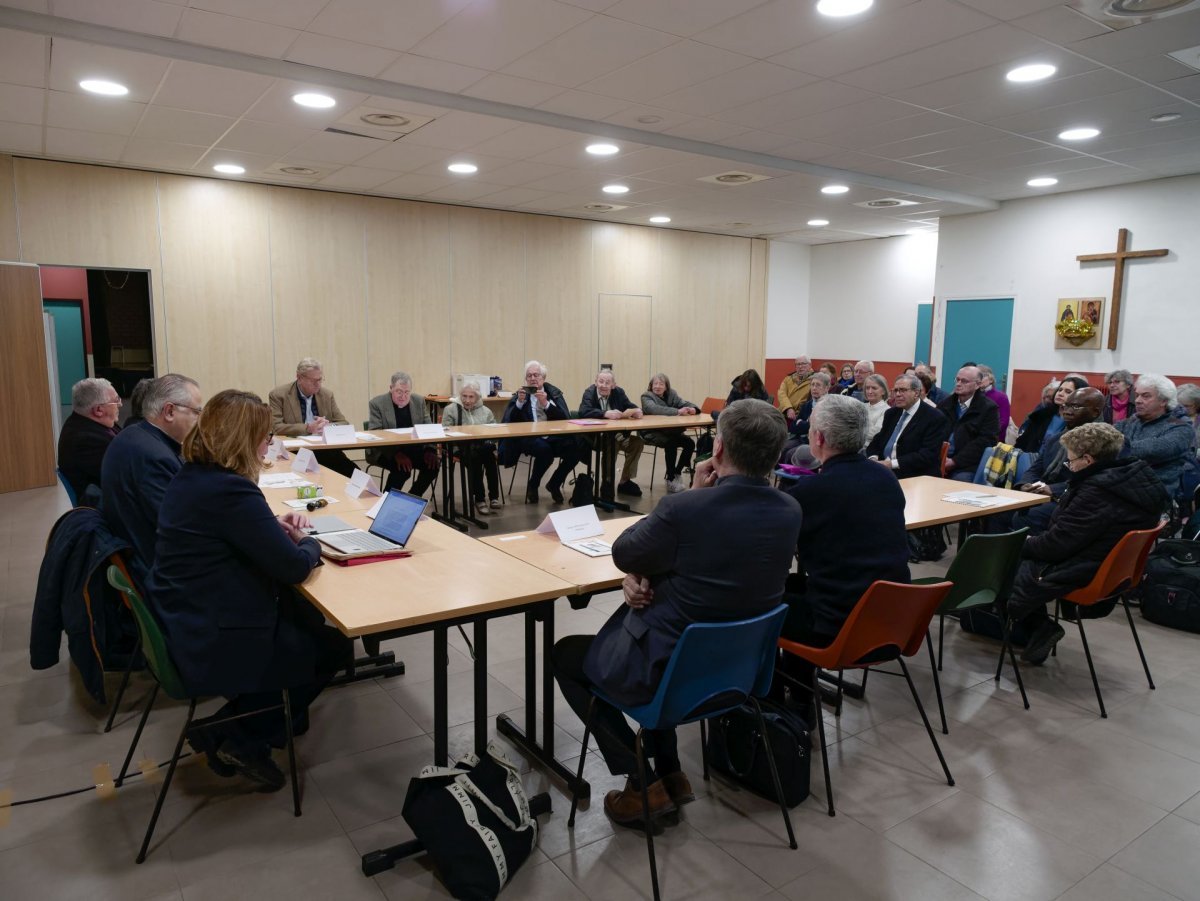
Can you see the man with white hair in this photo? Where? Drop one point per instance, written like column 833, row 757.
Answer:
column 605, row 400
column 862, row 369
column 86, row 435
column 1153, row 434
column 974, row 424
column 305, row 407
column 142, row 461
column 400, row 409
column 795, row 388
column 538, row 401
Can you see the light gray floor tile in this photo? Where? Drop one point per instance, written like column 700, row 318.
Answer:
column 1166, row 857
column 1107, row 883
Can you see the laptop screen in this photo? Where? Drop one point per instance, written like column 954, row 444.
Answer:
column 398, row 516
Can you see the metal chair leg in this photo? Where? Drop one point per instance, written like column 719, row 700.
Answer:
column 1087, row 652
column 137, row 735
column 162, row 793
column 1006, row 646
column 941, row 636
column 704, row 747
column 646, row 821
column 116, row 704
column 1138, row 642
column 787, row 820
column 291, row 749
column 816, row 690
column 937, row 683
column 924, row 719
column 587, row 731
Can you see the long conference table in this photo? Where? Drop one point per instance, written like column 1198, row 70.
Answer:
column 453, row 580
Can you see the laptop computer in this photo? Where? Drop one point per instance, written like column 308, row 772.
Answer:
column 389, row 533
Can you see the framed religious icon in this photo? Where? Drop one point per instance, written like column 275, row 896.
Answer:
column 1079, row 323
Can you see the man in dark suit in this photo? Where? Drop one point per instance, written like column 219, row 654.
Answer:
column 853, row 534
column 538, row 401
column 974, row 424
column 910, row 441
column 605, row 400
column 305, row 407
column 682, row 569
column 142, row 461
column 86, row 435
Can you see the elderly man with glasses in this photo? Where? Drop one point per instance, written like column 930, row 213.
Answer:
column 910, row 441
column 974, row 424
column 86, row 435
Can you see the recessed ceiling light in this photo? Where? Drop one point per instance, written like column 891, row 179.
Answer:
column 228, row 169
column 660, row 220
column 1034, row 72
column 838, row 8
column 615, row 189
column 817, row 223
column 603, row 149
column 835, row 189
column 316, row 101
column 463, row 168
column 1166, row 117
column 1041, row 182
column 107, row 88
column 1078, row 134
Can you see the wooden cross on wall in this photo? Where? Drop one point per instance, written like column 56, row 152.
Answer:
column 1119, row 258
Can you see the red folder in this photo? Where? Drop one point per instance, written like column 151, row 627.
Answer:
column 373, row 558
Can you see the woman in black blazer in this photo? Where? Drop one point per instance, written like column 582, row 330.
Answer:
column 221, row 588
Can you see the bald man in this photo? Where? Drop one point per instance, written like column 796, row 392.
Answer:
column 974, row 424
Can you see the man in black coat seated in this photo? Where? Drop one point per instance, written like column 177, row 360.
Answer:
column 718, row 552
column 853, row 534
column 542, row 401
column 910, row 441
column 86, row 435
column 974, row 424
column 1106, row 497
column 606, row 400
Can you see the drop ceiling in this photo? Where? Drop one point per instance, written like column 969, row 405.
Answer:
column 908, row 101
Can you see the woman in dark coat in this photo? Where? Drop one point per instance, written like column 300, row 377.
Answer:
column 1046, row 421
column 748, row 384
column 660, row 399
column 1105, row 498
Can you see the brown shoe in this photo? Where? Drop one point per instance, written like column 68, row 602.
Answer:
column 625, row 807
column 678, row 787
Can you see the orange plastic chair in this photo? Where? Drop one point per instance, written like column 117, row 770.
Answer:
column 945, row 452
column 1120, row 571
column 712, row 405
column 889, row 622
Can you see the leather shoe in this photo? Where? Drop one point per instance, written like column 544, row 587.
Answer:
column 625, row 807
column 629, row 487
column 556, row 493
column 255, row 765
column 678, row 787
column 205, row 742
column 531, row 495
column 1042, row 642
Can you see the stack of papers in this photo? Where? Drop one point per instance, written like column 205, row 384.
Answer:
column 973, row 499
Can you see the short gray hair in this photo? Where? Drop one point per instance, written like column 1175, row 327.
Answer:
column 541, row 367
column 913, row 382
column 867, row 363
column 1120, row 375
column 1098, row 440
column 171, row 388
column 308, row 364
column 88, row 393
column 473, row 385
column 1163, row 387
column 823, row 377
column 752, row 433
column 401, row 376
column 1189, row 394
column 878, row 380
column 843, row 422
column 986, row 370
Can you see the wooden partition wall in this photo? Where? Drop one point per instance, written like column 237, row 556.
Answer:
column 247, row 279
column 26, row 442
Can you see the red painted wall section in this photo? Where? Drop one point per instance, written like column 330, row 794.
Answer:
column 1028, row 385
column 61, row 283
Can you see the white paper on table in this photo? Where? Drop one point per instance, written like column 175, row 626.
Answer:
column 366, row 436
column 305, row 461
column 593, row 547
column 362, row 484
column 308, row 439
column 281, row 480
column 450, row 434
column 277, row 450
column 429, row 430
column 338, row 434
column 973, row 499
column 407, row 431
column 303, row 504
column 572, row 525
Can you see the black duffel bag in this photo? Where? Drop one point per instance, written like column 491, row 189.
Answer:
column 1170, row 591
column 736, row 749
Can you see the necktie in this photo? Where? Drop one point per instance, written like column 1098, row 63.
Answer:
column 308, row 410
column 891, row 442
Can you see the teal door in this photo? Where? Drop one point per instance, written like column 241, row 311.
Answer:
column 978, row 331
column 68, row 338
column 924, row 332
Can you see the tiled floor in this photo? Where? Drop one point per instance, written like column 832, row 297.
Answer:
column 1049, row 803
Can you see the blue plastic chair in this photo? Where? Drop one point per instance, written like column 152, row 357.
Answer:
column 67, row 485
column 715, row 668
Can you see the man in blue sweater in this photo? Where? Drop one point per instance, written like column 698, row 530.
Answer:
column 1154, row 435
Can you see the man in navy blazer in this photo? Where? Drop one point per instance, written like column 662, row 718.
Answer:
column 141, row 462
column 718, row 552
column 910, row 441
column 974, row 424
column 606, row 400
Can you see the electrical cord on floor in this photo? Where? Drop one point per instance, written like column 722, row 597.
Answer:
column 78, row 791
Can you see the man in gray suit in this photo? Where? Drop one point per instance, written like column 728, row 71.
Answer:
column 398, row 409
column 305, row 407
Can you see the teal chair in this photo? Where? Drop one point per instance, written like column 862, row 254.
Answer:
column 67, row 487
column 166, row 677
column 981, row 573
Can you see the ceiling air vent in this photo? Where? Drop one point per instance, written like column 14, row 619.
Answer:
column 1127, row 13
column 381, row 124
column 733, row 178
column 603, row 207
column 295, row 171
column 885, row 203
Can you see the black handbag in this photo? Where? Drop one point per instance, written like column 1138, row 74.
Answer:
column 474, row 821
column 736, row 749
column 1170, row 592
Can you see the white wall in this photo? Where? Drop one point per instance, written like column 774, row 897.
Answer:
column 1027, row 250
column 788, row 272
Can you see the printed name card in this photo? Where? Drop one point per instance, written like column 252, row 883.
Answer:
column 362, row 485
column 305, row 461
column 571, row 525
column 277, row 451
column 429, row 430
column 339, row 434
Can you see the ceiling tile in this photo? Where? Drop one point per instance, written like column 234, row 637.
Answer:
column 71, row 62
column 23, row 58
column 1187, row 87
column 486, row 164
column 513, row 197
column 596, row 6
column 210, row 89
column 384, row 23
column 1060, row 24
column 161, row 154
column 1154, row 37
column 1005, row 101
column 19, row 103
column 456, row 130
column 402, row 156
column 583, row 105
column 832, row 125
column 231, row 33
column 145, row 16
column 86, row 112
column 1156, row 69
column 509, row 89
column 165, row 124
column 288, row 13
column 671, row 69
column 340, row 55
column 589, row 50
column 707, row 130
column 771, row 112
column 1010, row 9
column 1099, row 110
column 277, row 105
column 632, row 116
column 526, row 141
column 436, row 74
column 67, row 143
column 491, row 35
column 462, row 191
column 767, row 142
column 336, row 149
column 33, row 6
column 520, row 173
column 681, row 17
column 264, row 137
column 741, row 86
column 357, row 178
column 16, row 137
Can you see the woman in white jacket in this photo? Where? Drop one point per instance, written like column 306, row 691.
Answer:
column 478, row 456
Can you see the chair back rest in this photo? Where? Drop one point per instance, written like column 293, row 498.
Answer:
column 888, row 615
column 942, row 454
column 716, row 666
column 154, row 643
column 1122, row 568
column 67, row 485
column 981, row 469
column 712, row 405
column 1024, row 461
column 983, row 570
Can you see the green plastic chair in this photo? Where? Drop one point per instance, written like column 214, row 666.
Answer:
column 166, row 677
column 982, row 573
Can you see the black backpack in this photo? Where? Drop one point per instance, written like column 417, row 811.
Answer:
column 1170, row 592
column 584, row 493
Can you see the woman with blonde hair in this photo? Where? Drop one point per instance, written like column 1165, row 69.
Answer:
column 221, row 588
